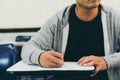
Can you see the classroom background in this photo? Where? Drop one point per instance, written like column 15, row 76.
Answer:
column 33, row 13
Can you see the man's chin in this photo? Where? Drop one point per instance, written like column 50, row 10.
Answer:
column 92, row 6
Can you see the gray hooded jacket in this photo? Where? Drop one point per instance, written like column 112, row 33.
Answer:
column 54, row 35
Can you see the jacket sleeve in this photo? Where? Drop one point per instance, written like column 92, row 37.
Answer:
column 43, row 40
column 113, row 61
column 40, row 42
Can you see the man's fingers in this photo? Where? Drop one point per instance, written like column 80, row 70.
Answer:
column 80, row 60
column 84, row 61
column 53, row 62
column 57, row 60
column 92, row 63
column 57, row 55
column 96, row 71
column 96, row 61
column 51, row 59
column 53, row 65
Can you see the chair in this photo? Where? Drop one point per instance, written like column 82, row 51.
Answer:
column 7, row 59
column 20, row 40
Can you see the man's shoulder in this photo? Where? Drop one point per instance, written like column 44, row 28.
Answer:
column 109, row 9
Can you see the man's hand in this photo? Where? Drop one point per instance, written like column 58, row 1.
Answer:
column 96, row 61
column 51, row 59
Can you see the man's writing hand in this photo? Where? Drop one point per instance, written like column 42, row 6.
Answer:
column 99, row 63
column 51, row 59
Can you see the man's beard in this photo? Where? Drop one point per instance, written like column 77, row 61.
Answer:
column 92, row 6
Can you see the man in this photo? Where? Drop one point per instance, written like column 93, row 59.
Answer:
column 86, row 32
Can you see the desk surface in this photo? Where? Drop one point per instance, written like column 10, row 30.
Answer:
column 68, row 67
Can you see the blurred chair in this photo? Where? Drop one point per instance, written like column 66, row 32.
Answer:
column 20, row 40
column 7, row 59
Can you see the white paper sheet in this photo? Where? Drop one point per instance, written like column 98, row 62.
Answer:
column 21, row 66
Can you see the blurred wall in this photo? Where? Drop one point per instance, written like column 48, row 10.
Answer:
column 33, row 13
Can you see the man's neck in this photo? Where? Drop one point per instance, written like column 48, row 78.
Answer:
column 86, row 14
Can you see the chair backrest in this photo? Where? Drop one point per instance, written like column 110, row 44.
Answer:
column 7, row 56
column 20, row 40
column 7, row 59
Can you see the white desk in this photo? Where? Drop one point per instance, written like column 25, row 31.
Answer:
column 68, row 68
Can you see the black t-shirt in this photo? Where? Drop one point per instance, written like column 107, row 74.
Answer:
column 85, row 39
